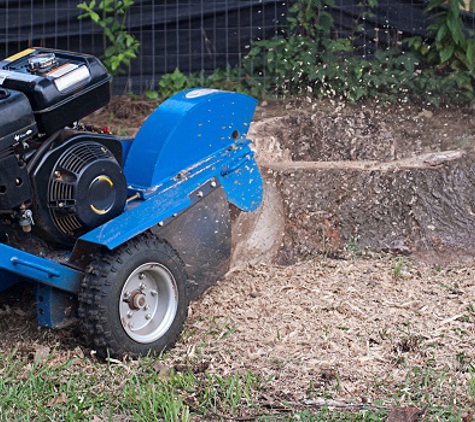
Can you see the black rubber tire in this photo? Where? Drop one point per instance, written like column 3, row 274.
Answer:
column 101, row 299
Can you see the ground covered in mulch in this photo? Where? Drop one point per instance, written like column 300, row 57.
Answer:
column 366, row 330
column 360, row 329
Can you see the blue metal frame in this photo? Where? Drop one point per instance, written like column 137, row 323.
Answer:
column 40, row 269
column 193, row 137
column 183, row 131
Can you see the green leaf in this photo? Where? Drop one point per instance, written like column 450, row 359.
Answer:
column 109, row 34
column 446, row 53
column 105, row 3
column 151, row 95
column 441, row 33
column 434, row 4
column 109, row 51
column 471, row 55
column 455, row 27
column 116, row 27
column 94, row 16
column 455, row 7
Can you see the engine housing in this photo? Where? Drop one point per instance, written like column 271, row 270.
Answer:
column 57, row 181
column 78, row 184
column 17, row 127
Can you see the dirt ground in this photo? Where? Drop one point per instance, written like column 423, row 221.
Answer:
column 359, row 329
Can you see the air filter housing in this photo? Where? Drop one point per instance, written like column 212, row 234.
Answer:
column 61, row 86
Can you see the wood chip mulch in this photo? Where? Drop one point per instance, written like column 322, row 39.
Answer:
column 354, row 330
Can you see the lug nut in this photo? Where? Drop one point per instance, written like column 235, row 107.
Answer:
column 142, row 286
column 153, row 292
column 148, row 316
column 130, row 314
column 142, row 276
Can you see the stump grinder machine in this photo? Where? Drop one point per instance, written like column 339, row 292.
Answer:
column 118, row 233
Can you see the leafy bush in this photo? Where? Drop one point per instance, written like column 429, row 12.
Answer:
column 292, row 64
column 310, row 60
column 451, row 48
column 120, row 47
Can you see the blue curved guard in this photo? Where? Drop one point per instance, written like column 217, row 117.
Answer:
column 187, row 129
column 193, row 138
column 242, row 182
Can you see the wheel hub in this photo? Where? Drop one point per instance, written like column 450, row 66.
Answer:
column 148, row 303
column 138, row 301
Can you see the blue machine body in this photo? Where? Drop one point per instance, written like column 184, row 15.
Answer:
column 193, row 137
column 196, row 138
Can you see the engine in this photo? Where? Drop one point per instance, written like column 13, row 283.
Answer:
column 56, row 180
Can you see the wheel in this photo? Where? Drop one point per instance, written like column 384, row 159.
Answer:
column 133, row 299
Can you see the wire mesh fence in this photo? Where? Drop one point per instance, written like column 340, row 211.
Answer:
column 197, row 35
column 190, row 35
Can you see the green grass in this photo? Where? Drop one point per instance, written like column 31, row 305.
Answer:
column 83, row 389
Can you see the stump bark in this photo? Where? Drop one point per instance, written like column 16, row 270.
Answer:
column 426, row 203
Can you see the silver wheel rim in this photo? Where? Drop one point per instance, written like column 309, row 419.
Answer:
column 148, row 302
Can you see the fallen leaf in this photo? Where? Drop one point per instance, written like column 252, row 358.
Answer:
column 41, row 353
column 62, row 398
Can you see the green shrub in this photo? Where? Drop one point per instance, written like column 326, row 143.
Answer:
column 311, row 60
column 451, row 46
column 120, row 47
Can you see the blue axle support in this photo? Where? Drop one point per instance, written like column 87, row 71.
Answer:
column 54, row 308
column 57, row 285
column 40, row 269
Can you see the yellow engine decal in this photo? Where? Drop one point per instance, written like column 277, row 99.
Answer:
column 20, row 55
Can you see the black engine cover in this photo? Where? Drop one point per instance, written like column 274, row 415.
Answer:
column 62, row 86
column 78, row 185
column 16, row 124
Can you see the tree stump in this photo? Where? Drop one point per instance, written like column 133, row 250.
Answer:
column 353, row 177
column 415, row 204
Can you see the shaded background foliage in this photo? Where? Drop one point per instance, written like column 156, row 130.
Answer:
column 203, row 36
